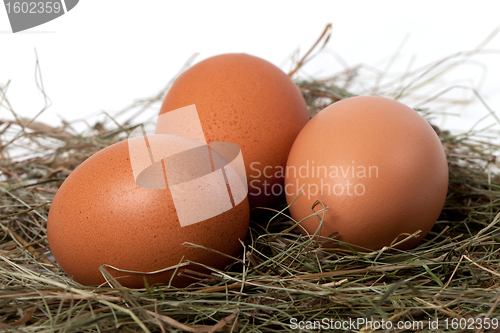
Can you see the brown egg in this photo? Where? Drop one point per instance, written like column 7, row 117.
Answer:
column 252, row 103
column 100, row 216
column 377, row 166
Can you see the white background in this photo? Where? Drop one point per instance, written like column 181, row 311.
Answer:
column 103, row 55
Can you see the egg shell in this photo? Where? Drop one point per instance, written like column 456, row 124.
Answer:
column 99, row 216
column 392, row 159
column 248, row 101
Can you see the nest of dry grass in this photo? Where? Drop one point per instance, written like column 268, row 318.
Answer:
column 452, row 276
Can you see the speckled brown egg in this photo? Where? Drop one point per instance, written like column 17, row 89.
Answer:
column 248, row 101
column 100, row 216
column 377, row 166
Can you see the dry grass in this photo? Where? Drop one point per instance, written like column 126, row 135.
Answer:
column 453, row 274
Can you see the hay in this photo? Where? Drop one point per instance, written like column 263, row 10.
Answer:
column 279, row 276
